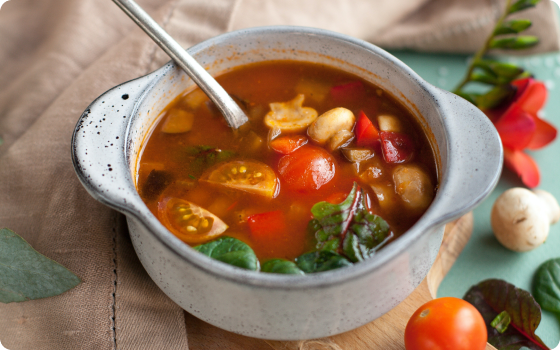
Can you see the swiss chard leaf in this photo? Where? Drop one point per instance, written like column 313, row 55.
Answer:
column 281, row 266
column 200, row 158
column 546, row 285
column 493, row 296
column 26, row 274
column 230, row 251
column 358, row 232
column 323, row 260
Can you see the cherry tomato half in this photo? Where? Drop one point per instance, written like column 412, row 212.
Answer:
column 307, row 169
column 188, row 221
column 446, row 324
column 244, row 175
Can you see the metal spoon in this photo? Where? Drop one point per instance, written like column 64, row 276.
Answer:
column 231, row 111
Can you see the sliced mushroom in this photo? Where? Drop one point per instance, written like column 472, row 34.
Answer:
column 330, row 123
column 356, row 155
column 290, row 116
column 386, row 196
column 340, row 139
column 414, row 186
column 389, row 123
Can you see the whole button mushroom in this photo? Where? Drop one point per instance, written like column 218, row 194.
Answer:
column 331, row 123
column 521, row 218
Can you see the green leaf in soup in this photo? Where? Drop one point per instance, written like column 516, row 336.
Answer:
column 281, row 266
column 200, row 158
column 156, row 183
column 546, row 285
column 231, row 251
column 26, row 274
column 493, row 296
column 359, row 232
column 319, row 261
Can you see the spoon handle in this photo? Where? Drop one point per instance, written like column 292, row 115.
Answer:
column 231, row 111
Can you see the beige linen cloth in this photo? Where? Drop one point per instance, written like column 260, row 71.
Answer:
column 56, row 56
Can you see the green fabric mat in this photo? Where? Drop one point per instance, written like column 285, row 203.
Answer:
column 484, row 257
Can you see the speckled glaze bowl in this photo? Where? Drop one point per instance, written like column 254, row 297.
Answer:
column 108, row 141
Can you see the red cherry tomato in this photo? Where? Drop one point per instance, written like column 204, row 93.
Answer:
column 446, row 324
column 307, row 169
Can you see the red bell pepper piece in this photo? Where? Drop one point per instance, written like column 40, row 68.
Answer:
column 524, row 166
column 367, row 134
column 352, row 91
column 288, row 144
column 397, row 147
column 270, row 224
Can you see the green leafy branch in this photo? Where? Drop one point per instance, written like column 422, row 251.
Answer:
column 499, row 75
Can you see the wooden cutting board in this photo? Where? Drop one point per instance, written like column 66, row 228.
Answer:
column 386, row 332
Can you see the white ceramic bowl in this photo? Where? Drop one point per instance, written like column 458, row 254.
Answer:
column 108, row 141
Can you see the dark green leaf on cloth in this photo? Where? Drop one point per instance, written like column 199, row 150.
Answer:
column 25, row 274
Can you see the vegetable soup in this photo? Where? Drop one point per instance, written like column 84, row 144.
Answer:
column 328, row 170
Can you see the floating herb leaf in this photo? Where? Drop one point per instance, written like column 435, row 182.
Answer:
column 281, row 266
column 157, row 181
column 546, row 285
column 323, row 260
column 200, row 158
column 230, row 251
column 492, row 297
column 358, row 232
column 25, row 274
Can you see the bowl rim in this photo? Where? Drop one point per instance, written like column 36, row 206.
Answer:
column 221, row 270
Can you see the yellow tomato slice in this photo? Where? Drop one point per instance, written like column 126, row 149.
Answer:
column 188, row 221
column 244, row 175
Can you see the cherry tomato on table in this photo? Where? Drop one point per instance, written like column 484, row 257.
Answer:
column 446, row 324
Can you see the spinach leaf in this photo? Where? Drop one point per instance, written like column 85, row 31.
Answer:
column 546, row 285
column 157, row 181
column 26, row 274
column 200, row 158
column 323, row 260
column 359, row 233
column 493, row 296
column 281, row 266
column 230, row 251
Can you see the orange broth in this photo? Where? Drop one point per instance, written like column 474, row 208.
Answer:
column 256, row 86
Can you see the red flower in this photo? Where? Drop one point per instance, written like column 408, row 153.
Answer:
column 520, row 128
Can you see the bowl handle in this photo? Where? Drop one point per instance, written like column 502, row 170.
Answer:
column 100, row 144
column 473, row 157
